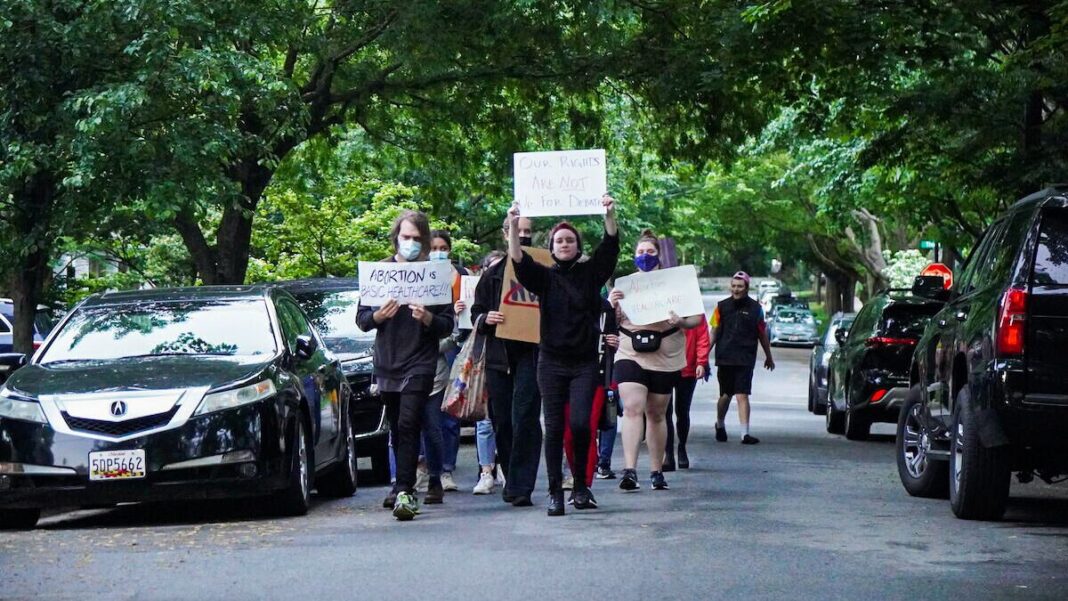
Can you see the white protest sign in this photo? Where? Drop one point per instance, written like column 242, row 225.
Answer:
column 468, row 283
column 648, row 297
column 421, row 283
column 567, row 182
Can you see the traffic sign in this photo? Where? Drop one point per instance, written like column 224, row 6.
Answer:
column 942, row 270
column 927, row 244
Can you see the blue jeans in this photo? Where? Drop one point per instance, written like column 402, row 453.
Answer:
column 450, row 442
column 486, row 443
column 433, row 439
column 606, row 442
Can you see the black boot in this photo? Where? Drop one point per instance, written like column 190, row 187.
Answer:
column 669, row 462
column 556, row 502
column 584, row 499
column 684, row 459
column 435, row 493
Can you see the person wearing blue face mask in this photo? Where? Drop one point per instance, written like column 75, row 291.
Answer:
column 646, row 376
column 405, row 358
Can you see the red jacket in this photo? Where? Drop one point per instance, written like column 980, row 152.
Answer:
column 697, row 348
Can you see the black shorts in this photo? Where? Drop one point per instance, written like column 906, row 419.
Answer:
column 658, row 382
column 734, row 379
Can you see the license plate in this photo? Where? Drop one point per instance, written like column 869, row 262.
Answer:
column 795, row 338
column 117, row 465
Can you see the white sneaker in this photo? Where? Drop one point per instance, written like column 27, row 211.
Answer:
column 422, row 480
column 447, row 482
column 485, row 485
column 569, row 483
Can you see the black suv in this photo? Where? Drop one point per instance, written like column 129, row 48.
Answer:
column 989, row 380
column 869, row 371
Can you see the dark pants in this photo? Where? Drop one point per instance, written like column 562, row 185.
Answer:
column 433, row 435
column 681, row 402
column 515, row 409
column 567, row 383
column 406, row 411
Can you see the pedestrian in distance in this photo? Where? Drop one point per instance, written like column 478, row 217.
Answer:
column 698, row 348
column 737, row 326
column 570, row 299
column 648, row 365
column 406, row 358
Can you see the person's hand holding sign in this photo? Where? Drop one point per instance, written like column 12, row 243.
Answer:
column 420, row 313
column 673, row 319
column 459, row 307
column 615, row 296
column 609, row 204
column 386, row 311
column 494, row 318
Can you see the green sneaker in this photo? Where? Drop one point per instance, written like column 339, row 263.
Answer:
column 406, row 507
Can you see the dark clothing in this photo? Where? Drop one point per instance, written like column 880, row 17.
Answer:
column 570, row 298
column 515, row 409
column 737, row 325
column 734, row 379
column 433, row 439
column 488, row 298
column 681, row 403
column 564, row 382
column 406, row 411
column 657, row 382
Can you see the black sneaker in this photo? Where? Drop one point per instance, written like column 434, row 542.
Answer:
column 629, row 481
column 658, row 481
column 721, row 433
column 747, row 439
column 555, row 506
column 684, row 459
column 584, row 499
column 390, row 500
column 604, row 473
column 522, row 501
column 435, row 492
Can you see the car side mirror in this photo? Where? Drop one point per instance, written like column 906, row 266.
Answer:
column 840, row 336
column 9, row 362
column 306, row 347
column 930, row 286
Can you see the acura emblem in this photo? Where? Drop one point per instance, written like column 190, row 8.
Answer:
column 118, row 408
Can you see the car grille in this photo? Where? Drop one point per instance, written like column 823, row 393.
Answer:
column 122, row 428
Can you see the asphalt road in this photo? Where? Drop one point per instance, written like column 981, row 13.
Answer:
column 803, row 515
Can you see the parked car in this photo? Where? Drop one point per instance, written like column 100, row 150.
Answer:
column 793, row 326
column 331, row 304
column 869, row 371
column 176, row 394
column 989, row 377
column 42, row 324
column 817, row 364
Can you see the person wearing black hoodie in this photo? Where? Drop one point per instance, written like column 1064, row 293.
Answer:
column 406, row 359
column 570, row 296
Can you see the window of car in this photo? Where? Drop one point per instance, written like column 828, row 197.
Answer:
column 1051, row 258
column 197, row 327
column 907, row 320
column 333, row 313
column 293, row 323
column 978, row 259
column 866, row 319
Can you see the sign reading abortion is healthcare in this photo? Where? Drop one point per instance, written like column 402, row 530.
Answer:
column 420, row 283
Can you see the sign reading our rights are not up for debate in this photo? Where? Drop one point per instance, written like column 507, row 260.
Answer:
column 420, row 283
column 558, row 183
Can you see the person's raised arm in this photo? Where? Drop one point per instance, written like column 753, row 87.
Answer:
column 511, row 222
column 610, row 226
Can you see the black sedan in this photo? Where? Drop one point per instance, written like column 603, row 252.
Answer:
column 821, row 356
column 331, row 305
column 176, row 394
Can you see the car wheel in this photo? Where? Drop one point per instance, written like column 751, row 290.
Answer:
column 978, row 476
column 921, row 474
column 295, row 498
column 834, row 418
column 19, row 519
column 341, row 482
column 857, row 425
column 811, row 395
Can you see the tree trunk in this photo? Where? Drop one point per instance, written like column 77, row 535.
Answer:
column 31, row 270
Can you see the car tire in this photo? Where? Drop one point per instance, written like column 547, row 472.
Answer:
column 295, row 498
column 341, row 481
column 857, row 425
column 834, row 419
column 19, row 519
column 811, row 396
column 380, row 460
column 978, row 476
column 921, row 474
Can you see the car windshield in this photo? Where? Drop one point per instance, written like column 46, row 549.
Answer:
column 907, row 320
column 334, row 314
column 803, row 317
column 199, row 327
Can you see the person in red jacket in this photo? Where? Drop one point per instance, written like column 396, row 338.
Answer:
column 697, row 351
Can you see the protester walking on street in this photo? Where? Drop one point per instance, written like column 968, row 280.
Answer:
column 485, row 437
column 511, row 376
column 570, row 296
column 646, row 373
column 405, row 358
column 737, row 326
column 697, row 351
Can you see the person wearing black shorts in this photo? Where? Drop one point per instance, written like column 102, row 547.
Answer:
column 737, row 326
column 647, row 376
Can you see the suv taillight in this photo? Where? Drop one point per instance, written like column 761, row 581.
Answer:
column 1012, row 321
column 878, row 341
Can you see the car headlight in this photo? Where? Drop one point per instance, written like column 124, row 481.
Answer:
column 228, row 399
column 25, row 410
column 363, row 365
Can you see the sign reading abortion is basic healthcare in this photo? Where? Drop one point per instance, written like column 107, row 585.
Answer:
column 421, row 283
column 552, row 184
column 649, row 297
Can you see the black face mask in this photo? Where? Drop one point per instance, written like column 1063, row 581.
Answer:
column 526, row 241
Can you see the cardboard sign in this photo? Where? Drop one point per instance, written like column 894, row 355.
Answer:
column 522, row 312
column 421, row 283
column 468, row 283
column 648, row 297
column 552, row 184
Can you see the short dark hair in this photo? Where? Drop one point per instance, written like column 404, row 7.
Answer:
column 421, row 222
column 444, row 235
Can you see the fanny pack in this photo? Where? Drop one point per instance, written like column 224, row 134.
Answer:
column 647, row 341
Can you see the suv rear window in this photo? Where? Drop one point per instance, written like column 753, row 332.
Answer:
column 906, row 320
column 1051, row 260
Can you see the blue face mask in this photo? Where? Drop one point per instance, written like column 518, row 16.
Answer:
column 409, row 249
column 439, row 255
column 647, row 262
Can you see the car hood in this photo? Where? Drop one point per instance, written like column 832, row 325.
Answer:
column 140, row 374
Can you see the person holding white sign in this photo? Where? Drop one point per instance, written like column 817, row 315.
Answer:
column 406, row 358
column 649, row 364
